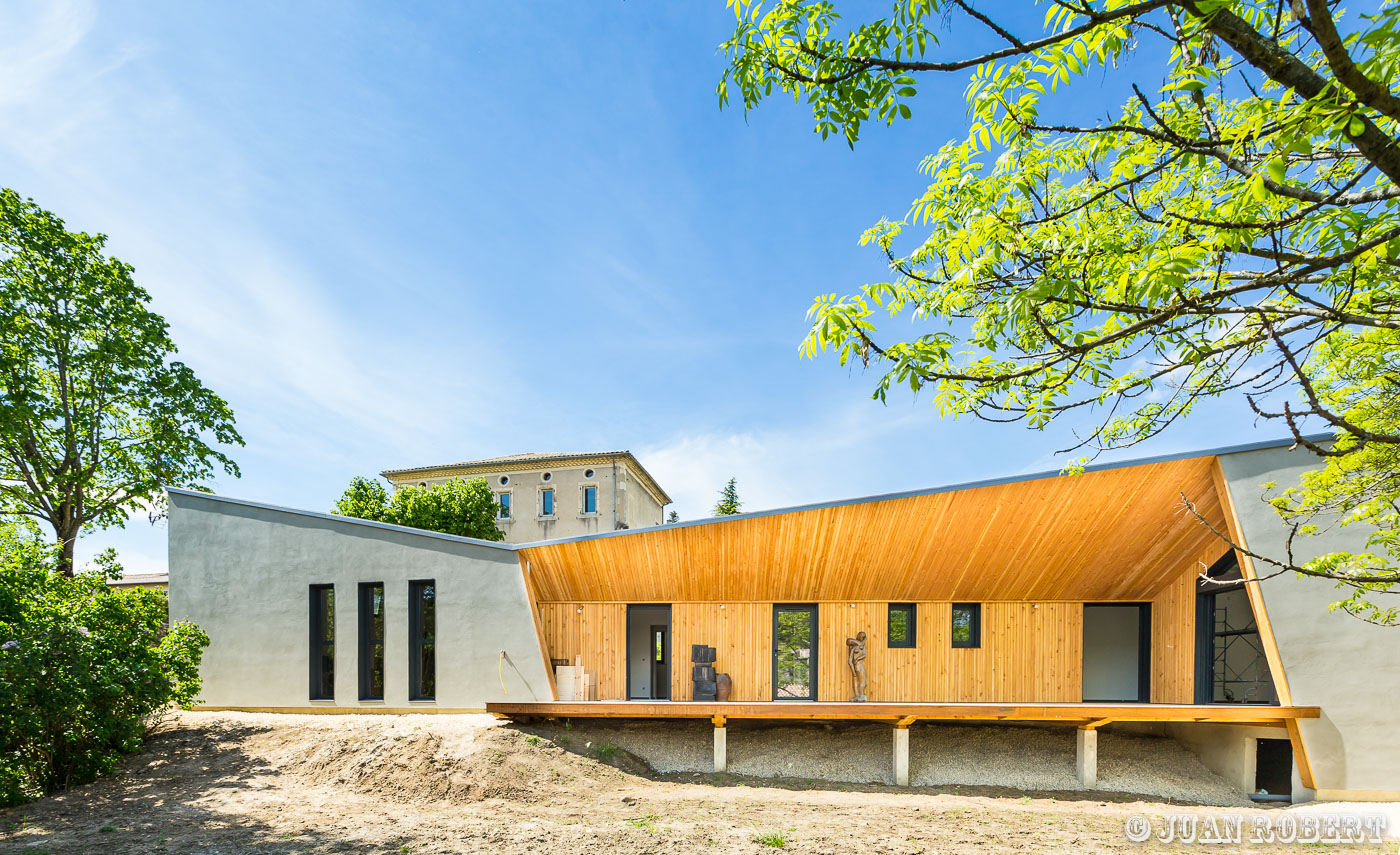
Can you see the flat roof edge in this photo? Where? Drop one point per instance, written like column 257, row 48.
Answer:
column 422, row 532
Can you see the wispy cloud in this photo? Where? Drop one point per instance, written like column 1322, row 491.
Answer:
column 838, row 453
column 258, row 325
column 100, row 136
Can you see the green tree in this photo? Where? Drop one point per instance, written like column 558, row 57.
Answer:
column 728, row 503
column 85, row 668
column 462, row 506
column 673, row 517
column 1232, row 232
column 95, row 415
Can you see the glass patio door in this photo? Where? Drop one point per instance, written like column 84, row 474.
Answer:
column 794, row 652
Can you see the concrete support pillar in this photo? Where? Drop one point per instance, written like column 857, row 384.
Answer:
column 901, row 756
column 1086, row 757
column 721, row 745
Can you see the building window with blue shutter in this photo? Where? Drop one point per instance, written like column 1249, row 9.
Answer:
column 547, row 502
column 590, row 499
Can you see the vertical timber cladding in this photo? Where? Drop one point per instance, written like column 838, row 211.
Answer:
column 742, row 635
column 1174, row 630
column 1030, row 652
column 596, row 632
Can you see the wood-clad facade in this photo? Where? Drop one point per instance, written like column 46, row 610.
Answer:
column 1030, row 554
column 1029, row 652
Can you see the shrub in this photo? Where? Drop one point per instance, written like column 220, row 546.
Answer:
column 84, row 667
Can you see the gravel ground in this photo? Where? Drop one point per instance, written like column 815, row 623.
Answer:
column 1027, row 758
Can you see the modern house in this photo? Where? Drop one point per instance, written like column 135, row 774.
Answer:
column 1071, row 600
column 547, row 496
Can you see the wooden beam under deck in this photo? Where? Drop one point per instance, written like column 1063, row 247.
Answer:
column 901, row 712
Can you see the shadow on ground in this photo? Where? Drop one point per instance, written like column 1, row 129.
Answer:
column 587, row 741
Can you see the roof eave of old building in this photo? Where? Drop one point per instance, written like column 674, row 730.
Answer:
column 529, row 462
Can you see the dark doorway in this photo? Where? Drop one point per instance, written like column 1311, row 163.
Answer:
column 648, row 651
column 1273, row 771
column 795, row 653
column 1230, row 664
column 1118, row 652
column 660, row 663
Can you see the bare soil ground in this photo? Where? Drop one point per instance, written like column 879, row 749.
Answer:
column 234, row 783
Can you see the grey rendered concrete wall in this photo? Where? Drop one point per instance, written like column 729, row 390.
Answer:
column 1228, row 750
column 242, row 572
column 1349, row 668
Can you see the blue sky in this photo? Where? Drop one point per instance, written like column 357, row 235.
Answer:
column 395, row 235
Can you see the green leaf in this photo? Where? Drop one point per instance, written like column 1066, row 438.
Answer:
column 1257, row 188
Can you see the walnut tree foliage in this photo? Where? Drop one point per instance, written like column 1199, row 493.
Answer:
column 96, row 416
column 1227, row 227
column 462, row 506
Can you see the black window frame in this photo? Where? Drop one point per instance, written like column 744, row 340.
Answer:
column 416, row 640
column 321, row 606
column 911, row 623
column 974, row 625
column 814, row 616
column 371, row 648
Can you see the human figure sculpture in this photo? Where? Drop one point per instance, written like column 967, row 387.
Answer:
column 855, row 657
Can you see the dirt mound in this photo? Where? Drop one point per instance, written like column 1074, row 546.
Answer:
column 422, row 758
column 254, row 783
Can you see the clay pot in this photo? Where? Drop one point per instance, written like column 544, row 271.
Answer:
column 722, row 687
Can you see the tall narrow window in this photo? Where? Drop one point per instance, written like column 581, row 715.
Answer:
column 322, row 642
column 422, row 628
column 590, row 500
column 547, row 502
column 795, row 653
column 901, row 625
column 503, row 510
column 372, row 641
column 967, row 624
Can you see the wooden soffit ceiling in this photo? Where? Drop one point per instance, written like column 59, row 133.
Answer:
column 1113, row 534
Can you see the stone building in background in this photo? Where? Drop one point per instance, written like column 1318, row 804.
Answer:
column 548, row 496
